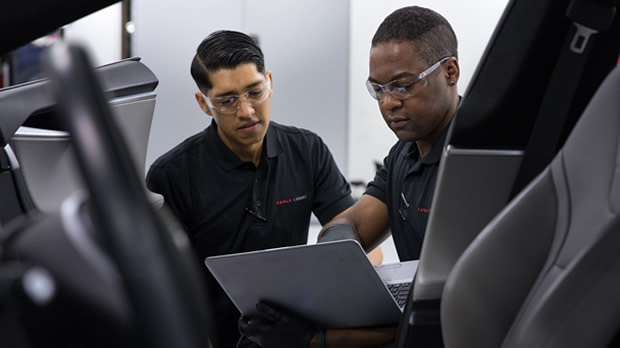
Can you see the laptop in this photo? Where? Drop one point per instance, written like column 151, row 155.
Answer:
column 332, row 284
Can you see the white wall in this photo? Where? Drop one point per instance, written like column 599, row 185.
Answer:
column 100, row 32
column 167, row 33
column 305, row 46
column 369, row 137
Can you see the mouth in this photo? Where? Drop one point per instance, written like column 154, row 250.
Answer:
column 398, row 122
column 248, row 126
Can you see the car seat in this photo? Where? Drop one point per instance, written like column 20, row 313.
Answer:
column 545, row 272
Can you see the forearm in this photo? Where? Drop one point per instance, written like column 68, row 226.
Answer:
column 359, row 338
column 338, row 229
column 368, row 219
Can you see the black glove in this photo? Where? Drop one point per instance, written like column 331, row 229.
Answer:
column 276, row 327
column 338, row 232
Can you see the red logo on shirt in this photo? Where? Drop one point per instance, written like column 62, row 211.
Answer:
column 423, row 210
column 291, row 200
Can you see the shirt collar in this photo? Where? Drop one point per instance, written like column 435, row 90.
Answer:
column 272, row 142
column 227, row 159
column 433, row 156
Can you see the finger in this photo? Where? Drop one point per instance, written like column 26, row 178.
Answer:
column 269, row 312
column 244, row 319
column 254, row 320
column 243, row 325
column 251, row 326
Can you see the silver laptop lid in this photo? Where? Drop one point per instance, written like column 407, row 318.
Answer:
column 333, row 283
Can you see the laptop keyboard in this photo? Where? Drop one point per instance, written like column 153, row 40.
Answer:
column 400, row 291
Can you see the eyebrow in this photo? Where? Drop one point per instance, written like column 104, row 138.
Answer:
column 231, row 93
column 394, row 78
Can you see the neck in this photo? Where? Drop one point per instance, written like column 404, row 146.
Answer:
column 251, row 154
column 425, row 145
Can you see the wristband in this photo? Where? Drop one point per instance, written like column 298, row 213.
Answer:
column 338, row 232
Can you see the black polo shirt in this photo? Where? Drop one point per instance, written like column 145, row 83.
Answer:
column 406, row 184
column 227, row 205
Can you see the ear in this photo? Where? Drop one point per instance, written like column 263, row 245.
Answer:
column 203, row 103
column 453, row 70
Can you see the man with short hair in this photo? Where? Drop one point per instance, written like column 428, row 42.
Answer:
column 413, row 71
column 413, row 74
column 245, row 182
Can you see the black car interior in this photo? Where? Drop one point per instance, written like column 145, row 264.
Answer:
column 520, row 249
column 109, row 256
column 543, row 271
column 529, row 90
column 40, row 170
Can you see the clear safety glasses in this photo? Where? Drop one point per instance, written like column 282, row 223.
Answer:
column 230, row 104
column 402, row 88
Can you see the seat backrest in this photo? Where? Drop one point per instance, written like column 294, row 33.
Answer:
column 545, row 272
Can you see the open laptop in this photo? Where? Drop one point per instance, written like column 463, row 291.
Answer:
column 332, row 283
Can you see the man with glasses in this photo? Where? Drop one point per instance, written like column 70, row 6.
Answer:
column 245, row 182
column 413, row 75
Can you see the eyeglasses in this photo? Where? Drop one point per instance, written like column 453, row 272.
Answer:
column 402, row 88
column 230, row 104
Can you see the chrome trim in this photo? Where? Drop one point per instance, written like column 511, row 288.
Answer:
column 29, row 133
column 11, row 155
column 453, row 151
column 133, row 98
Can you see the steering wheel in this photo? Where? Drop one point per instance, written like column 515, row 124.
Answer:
column 161, row 279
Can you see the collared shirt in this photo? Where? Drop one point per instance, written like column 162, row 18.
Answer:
column 405, row 183
column 228, row 205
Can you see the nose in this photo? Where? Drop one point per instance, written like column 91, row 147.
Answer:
column 245, row 107
column 389, row 102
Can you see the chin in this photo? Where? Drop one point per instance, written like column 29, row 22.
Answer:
column 404, row 135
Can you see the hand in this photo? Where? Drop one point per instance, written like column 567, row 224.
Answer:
column 275, row 327
column 338, row 232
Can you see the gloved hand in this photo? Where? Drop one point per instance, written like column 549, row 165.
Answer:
column 276, row 327
column 338, row 232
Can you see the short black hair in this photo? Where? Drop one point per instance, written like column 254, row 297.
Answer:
column 224, row 49
column 429, row 31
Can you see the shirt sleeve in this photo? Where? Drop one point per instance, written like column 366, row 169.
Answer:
column 158, row 181
column 378, row 186
column 332, row 192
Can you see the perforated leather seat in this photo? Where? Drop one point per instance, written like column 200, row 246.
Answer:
column 545, row 272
